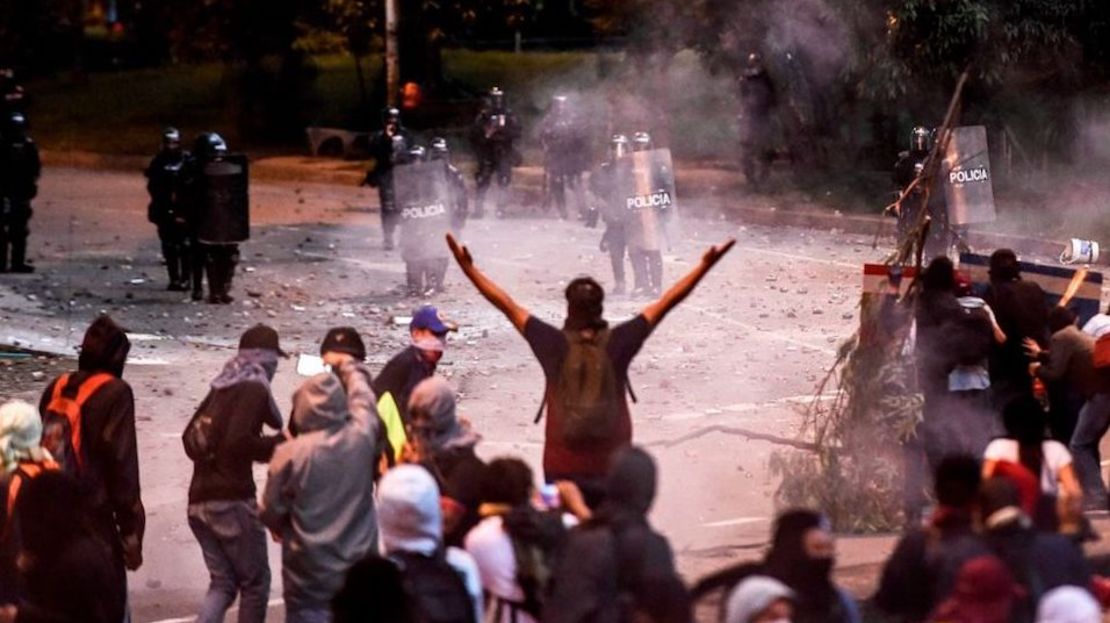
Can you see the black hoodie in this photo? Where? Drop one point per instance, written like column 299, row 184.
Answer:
column 110, row 477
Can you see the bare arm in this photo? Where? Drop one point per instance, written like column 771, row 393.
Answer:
column 655, row 312
column 493, row 293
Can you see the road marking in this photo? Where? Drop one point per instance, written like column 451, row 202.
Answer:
column 742, row 407
column 739, row 521
column 807, row 258
column 758, row 331
column 190, row 619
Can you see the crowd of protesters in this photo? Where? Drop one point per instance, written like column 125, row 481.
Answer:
column 385, row 510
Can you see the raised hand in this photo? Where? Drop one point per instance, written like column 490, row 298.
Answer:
column 461, row 253
column 715, row 253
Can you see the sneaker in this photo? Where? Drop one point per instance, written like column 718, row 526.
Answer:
column 226, row 299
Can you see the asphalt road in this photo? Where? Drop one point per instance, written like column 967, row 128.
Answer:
column 746, row 349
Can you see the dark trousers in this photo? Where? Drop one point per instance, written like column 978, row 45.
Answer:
column 1094, row 421
column 177, row 253
column 488, row 169
column 219, row 262
column 233, row 542
column 558, row 184
column 614, row 242
column 14, row 229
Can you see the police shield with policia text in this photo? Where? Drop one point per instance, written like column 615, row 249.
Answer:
column 427, row 208
column 645, row 180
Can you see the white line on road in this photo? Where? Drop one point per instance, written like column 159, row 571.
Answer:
column 190, row 619
column 739, row 521
column 758, row 331
column 742, row 407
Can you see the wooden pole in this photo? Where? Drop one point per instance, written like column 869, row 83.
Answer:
column 392, row 54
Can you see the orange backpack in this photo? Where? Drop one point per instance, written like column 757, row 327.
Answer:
column 22, row 474
column 61, row 421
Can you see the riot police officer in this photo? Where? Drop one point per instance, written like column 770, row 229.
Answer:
column 492, row 135
column 20, row 168
column 388, row 147
column 757, row 103
column 603, row 185
column 564, row 148
column 909, row 165
column 217, row 187
column 647, row 263
column 438, row 150
column 168, row 210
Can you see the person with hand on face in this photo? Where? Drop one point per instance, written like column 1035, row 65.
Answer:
column 580, row 439
column 394, row 384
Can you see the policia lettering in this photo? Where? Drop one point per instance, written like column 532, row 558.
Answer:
column 962, row 176
column 660, row 200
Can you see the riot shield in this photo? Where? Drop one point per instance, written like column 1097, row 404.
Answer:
column 224, row 201
column 966, row 175
column 423, row 196
column 645, row 186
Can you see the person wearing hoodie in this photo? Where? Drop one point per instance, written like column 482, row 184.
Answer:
column 317, row 501
column 109, row 471
column 802, row 557
column 412, row 537
column 1022, row 314
column 22, row 458
column 611, row 565
column 1039, row 561
column 922, row 568
column 444, row 445
column 760, row 599
column 1068, row 604
column 223, row 513
column 66, row 569
column 985, row 592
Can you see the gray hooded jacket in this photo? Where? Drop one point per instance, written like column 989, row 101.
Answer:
column 319, row 496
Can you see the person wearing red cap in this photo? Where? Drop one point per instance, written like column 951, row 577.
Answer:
column 580, row 438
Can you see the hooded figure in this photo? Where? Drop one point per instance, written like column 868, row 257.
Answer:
column 754, row 598
column 109, row 473
column 801, row 557
column 319, row 497
column 444, row 446
column 1068, row 604
column 985, row 592
column 412, row 524
column 67, row 569
column 610, row 564
column 1021, row 311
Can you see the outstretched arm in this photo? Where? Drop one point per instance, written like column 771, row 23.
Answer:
column 493, row 293
column 655, row 312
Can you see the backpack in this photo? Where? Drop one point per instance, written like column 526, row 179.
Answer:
column 434, row 590
column 535, row 536
column 200, row 438
column 62, row 418
column 587, row 390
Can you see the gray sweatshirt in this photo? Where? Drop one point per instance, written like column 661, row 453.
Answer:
column 319, row 496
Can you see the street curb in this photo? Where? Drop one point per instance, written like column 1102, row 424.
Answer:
column 529, row 180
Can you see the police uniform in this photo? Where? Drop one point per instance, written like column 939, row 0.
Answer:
column 757, row 99
column 218, row 215
column 565, row 148
column 614, row 240
column 20, row 168
column 169, row 212
column 387, row 150
column 492, row 135
column 909, row 164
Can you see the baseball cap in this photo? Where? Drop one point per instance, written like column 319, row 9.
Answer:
column 344, row 340
column 263, row 337
column 428, row 317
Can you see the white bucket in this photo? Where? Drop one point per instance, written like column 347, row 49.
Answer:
column 1080, row 252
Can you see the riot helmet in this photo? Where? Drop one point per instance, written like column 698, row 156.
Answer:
column 921, row 138
column 417, row 153
column 496, row 98
column 438, row 149
column 171, row 139
column 618, row 146
column 17, row 125
column 641, row 141
column 210, row 145
column 391, row 116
